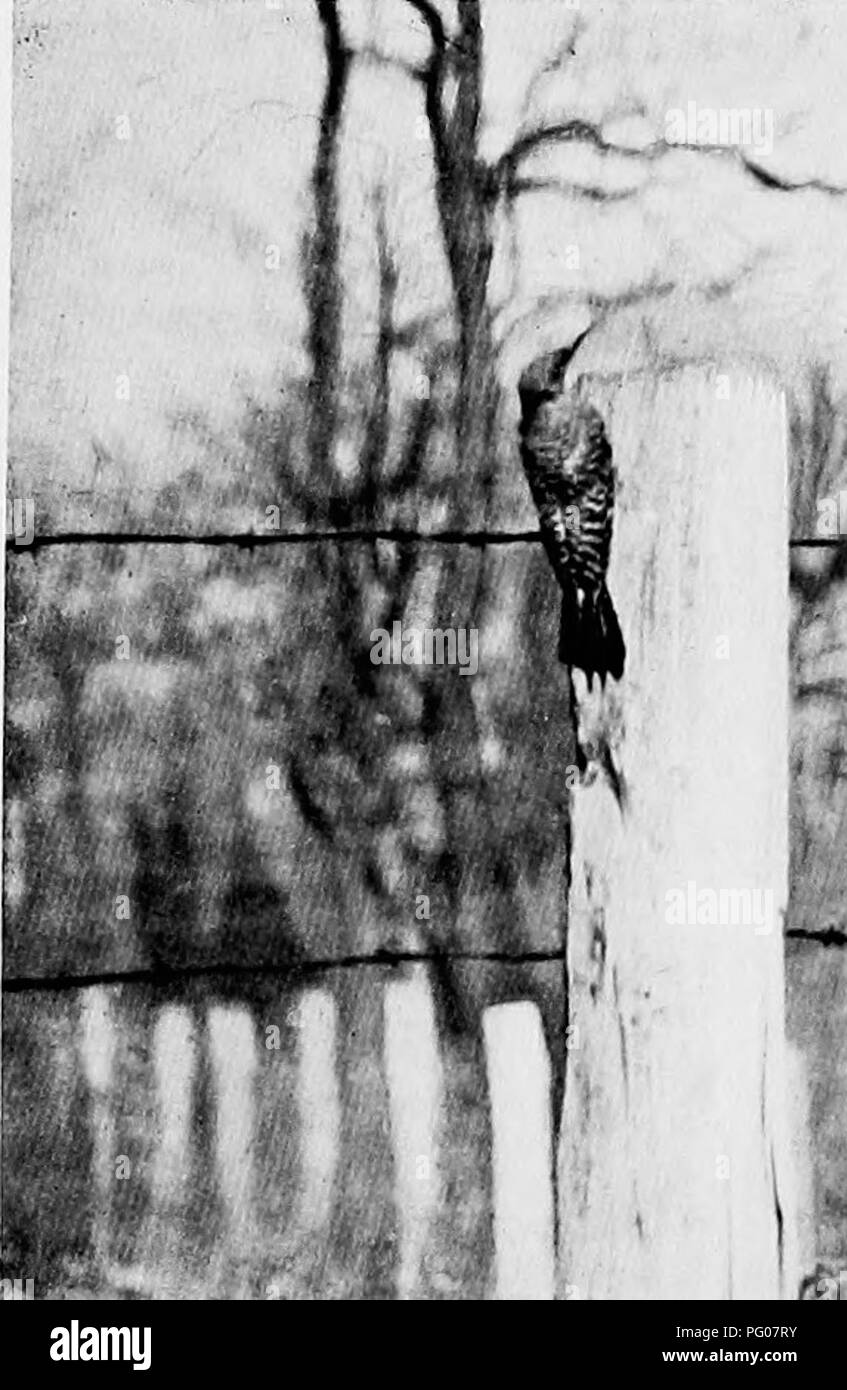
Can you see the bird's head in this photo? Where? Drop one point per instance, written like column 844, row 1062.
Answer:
column 544, row 378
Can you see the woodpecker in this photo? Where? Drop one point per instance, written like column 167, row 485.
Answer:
column 568, row 463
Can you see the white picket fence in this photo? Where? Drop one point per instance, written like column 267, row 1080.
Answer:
column 518, row 1075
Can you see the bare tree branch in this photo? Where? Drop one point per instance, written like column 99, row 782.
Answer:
column 468, row 53
column 370, row 53
column 557, row 61
column 458, row 176
column 434, row 77
column 432, row 18
column 584, row 132
column 376, row 434
column 590, row 192
column 324, row 289
column 771, row 180
column 504, row 175
column 465, row 213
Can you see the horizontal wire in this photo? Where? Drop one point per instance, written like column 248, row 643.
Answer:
column 160, row 976
column 829, row 936
column 249, row 539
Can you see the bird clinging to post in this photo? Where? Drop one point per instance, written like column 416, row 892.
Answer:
column 568, row 463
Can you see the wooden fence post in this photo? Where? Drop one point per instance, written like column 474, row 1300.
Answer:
column 97, row 1043
column 415, row 1094
column 232, row 1045
column 519, row 1087
column 318, row 1107
column 174, row 1058
column 673, row 1163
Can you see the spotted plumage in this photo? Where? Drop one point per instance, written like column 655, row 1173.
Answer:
column 568, row 463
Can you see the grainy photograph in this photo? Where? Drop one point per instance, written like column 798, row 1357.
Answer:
column 425, row 739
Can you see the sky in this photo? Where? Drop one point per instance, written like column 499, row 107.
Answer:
column 162, row 154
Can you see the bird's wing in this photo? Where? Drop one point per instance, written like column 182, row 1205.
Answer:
column 590, row 542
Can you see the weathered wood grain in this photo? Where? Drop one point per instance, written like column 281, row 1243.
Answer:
column 672, row 1161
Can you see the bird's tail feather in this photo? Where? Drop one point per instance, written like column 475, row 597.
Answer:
column 590, row 637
